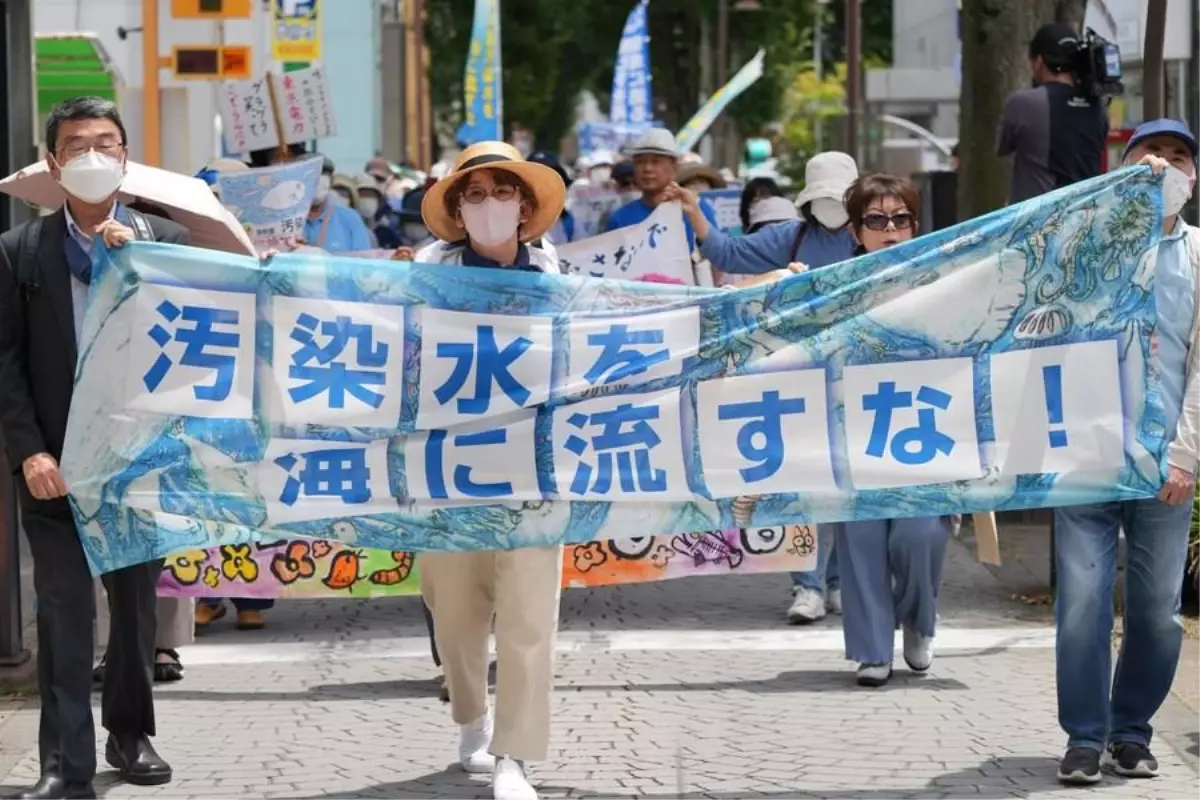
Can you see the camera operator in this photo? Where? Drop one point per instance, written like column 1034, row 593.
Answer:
column 1056, row 130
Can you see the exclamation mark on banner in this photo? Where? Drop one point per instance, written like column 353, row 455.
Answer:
column 1052, row 378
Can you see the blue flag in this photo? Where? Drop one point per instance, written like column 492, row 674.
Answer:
column 631, row 101
column 483, row 99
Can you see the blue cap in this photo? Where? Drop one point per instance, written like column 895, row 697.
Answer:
column 1164, row 127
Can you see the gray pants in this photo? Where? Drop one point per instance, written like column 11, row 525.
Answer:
column 176, row 622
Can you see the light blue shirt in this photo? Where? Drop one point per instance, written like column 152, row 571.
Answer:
column 639, row 211
column 346, row 232
column 1175, row 297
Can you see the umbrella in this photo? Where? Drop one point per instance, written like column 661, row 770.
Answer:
column 188, row 201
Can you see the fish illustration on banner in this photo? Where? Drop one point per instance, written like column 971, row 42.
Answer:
column 1001, row 364
column 655, row 250
column 695, row 128
column 631, row 87
column 326, row 568
column 272, row 203
column 483, row 103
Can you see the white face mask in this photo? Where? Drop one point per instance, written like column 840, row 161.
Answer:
column 600, row 175
column 368, row 207
column 323, row 186
column 830, row 213
column 492, row 221
column 92, row 177
column 1177, row 190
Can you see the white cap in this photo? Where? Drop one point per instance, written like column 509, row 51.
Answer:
column 772, row 209
column 601, row 158
column 656, row 142
column 829, row 176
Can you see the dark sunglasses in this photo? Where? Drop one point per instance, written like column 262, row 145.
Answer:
column 878, row 221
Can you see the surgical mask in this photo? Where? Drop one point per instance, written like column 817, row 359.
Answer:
column 492, row 221
column 415, row 232
column 1177, row 190
column 92, row 177
column 830, row 213
column 600, row 175
column 323, row 186
column 338, row 199
column 368, row 207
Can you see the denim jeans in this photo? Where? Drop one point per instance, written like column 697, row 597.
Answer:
column 1096, row 707
column 825, row 576
column 892, row 573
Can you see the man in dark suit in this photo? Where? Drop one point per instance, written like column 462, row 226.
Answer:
column 45, row 270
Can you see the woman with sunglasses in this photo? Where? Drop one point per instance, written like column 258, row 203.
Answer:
column 890, row 569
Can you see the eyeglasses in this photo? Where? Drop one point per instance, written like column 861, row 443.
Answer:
column 878, row 221
column 77, row 147
column 477, row 194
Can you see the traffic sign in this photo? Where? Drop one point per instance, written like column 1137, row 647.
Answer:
column 211, row 9
column 211, row 62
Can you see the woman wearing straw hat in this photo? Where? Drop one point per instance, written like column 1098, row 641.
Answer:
column 485, row 213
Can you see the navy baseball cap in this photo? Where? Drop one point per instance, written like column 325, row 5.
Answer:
column 1164, row 127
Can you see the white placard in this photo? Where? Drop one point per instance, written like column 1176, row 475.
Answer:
column 655, row 250
column 305, row 108
column 765, row 433
column 936, row 397
column 336, row 363
column 1058, row 409
column 191, row 353
column 306, row 479
column 477, row 462
column 247, row 116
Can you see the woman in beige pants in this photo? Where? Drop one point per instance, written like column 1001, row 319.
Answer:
column 484, row 214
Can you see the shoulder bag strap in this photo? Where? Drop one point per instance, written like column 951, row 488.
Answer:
column 141, row 226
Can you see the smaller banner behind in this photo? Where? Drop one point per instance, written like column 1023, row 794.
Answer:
column 272, row 203
column 691, row 133
column 631, row 100
column 482, row 94
column 655, row 251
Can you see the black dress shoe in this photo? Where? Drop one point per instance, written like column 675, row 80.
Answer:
column 135, row 759
column 52, row 787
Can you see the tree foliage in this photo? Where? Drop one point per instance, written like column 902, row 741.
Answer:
column 551, row 50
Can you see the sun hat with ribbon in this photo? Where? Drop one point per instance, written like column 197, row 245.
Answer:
column 703, row 172
column 549, row 191
column 829, row 176
column 772, row 209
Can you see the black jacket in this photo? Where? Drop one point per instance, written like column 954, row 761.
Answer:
column 38, row 350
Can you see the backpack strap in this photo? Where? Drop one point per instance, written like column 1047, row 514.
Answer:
column 141, row 225
column 800, row 234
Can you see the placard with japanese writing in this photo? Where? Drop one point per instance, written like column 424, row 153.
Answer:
column 655, row 250
column 272, row 203
column 247, row 116
column 1002, row 364
column 305, row 107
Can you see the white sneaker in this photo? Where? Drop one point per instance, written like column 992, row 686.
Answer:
column 833, row 601
column 475, row 739
column 509, row 781
column 874, row 675
column 807, row 606
column 918, row 650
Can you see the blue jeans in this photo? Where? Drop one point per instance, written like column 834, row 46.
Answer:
column 892, row 570
column 1095, row 707
column 825, row 576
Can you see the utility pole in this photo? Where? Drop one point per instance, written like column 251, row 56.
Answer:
column 151, row 113
column 1153, row 89
column 853, row 76
column 721, row 128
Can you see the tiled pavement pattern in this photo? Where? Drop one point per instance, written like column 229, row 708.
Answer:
column 335, row 700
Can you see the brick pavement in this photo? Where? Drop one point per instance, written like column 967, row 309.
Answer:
column 336, row 700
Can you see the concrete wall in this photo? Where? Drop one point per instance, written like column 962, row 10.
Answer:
column 189, row 138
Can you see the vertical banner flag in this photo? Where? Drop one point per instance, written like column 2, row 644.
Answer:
column 482, row 95
column 296, row 30
column 631, row 76
column 690, row 134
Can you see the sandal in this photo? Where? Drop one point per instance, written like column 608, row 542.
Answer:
column 167, row 671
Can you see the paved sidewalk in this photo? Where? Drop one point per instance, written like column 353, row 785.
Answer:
column 690, row 688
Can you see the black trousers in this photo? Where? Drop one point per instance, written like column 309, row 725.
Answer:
column 66, row 606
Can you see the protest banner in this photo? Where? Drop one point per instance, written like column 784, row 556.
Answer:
column 611, row 136
column 1001, row 364
column 483, row 100
column 272, row 203
column 695, row 128
column 591, row 206
column 248, row 119
column 305, row 108
column 726, row 206
column 655, row 250
column 324, row 568
column 631, row 86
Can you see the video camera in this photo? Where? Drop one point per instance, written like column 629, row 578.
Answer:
column 1096, row 65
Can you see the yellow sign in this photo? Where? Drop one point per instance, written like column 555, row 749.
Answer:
column 211, row 63
column 210, row 9
column 296, row 30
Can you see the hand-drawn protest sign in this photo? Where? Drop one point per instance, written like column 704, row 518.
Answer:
column 272, row 203
column 656, row 250
column 1001, row 364
column 247, row 115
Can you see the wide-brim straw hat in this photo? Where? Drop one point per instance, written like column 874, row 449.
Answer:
column 549, row 191
column 701, row 172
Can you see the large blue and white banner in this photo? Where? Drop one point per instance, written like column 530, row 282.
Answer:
column 1001, row 364
column 631, row 88
column 483, row 100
